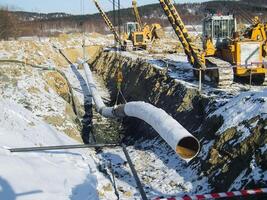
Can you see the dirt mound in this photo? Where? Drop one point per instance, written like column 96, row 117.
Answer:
column 77, row 53
column 58, row 84
column 95, row 35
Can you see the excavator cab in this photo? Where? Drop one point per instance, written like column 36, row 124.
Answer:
column 131, row 30
column 130, row 27
column 219, row 28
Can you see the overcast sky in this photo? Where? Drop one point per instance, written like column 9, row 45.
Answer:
column 70, row 6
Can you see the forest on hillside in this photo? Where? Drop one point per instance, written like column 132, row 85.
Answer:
column 27, row 23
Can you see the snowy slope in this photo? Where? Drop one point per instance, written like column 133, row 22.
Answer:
column 42, row 175
column 243, row 107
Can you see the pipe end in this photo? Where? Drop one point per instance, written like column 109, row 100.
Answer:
column 188, row 148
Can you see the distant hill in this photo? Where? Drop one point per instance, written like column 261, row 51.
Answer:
column 191, row 13
column 31, row 16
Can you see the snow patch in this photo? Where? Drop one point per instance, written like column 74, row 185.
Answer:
column 65, row 174
column 242, row 107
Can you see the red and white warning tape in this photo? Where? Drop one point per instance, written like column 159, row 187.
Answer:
column 219, row 195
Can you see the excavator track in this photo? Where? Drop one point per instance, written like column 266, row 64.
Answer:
column 221, row 77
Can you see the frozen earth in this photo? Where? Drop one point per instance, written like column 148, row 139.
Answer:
column 89, row 174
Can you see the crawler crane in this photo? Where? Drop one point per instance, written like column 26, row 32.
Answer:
column 132, row 37
column 153, row 31
column 225, row 54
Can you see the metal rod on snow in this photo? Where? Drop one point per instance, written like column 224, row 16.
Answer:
column 50, row 148
column 137, row 180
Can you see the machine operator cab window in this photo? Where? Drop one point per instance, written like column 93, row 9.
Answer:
column 130, row 27
column 219, row 28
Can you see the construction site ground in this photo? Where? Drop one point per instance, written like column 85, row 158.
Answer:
column 42, row 101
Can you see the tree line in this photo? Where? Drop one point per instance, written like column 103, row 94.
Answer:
column 15, row 24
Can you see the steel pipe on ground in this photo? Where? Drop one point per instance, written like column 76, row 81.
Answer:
column 180, row 140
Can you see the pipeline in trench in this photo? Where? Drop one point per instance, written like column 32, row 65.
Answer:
column 176, row 136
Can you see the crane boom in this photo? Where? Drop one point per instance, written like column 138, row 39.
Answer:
column 108, row 22
column 193, row 53
column 137, row 15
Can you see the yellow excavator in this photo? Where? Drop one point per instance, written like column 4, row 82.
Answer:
column 224, row 53
column 132, row 37
column 153, row 31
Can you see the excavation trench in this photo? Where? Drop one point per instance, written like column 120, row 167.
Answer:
column 224, row 155
column 139, row 86
column 178, row 138
column 218, row 157
column 142, row 83
column 145, row 82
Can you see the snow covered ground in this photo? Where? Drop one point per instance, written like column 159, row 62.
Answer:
column 244, row 106
column 160, row 170
column 26, row 101
column 41, row 175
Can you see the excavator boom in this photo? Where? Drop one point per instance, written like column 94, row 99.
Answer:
column 108, row 22
column 193, row 53
column 222, row 75
column 137, row 15
column 219, row 59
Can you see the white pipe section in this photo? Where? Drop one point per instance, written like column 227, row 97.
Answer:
column 168, row 128
column 100, row 106
column 180, row 140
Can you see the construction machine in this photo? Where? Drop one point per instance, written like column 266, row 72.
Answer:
column 258, row 32
column 224, row 53
column 132, row 37
column 244, row 54
column 153, row 31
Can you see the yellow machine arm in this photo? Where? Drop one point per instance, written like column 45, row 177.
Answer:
column 108, row 22
column 258, row 32
column 193, row 53
column 137, row 15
